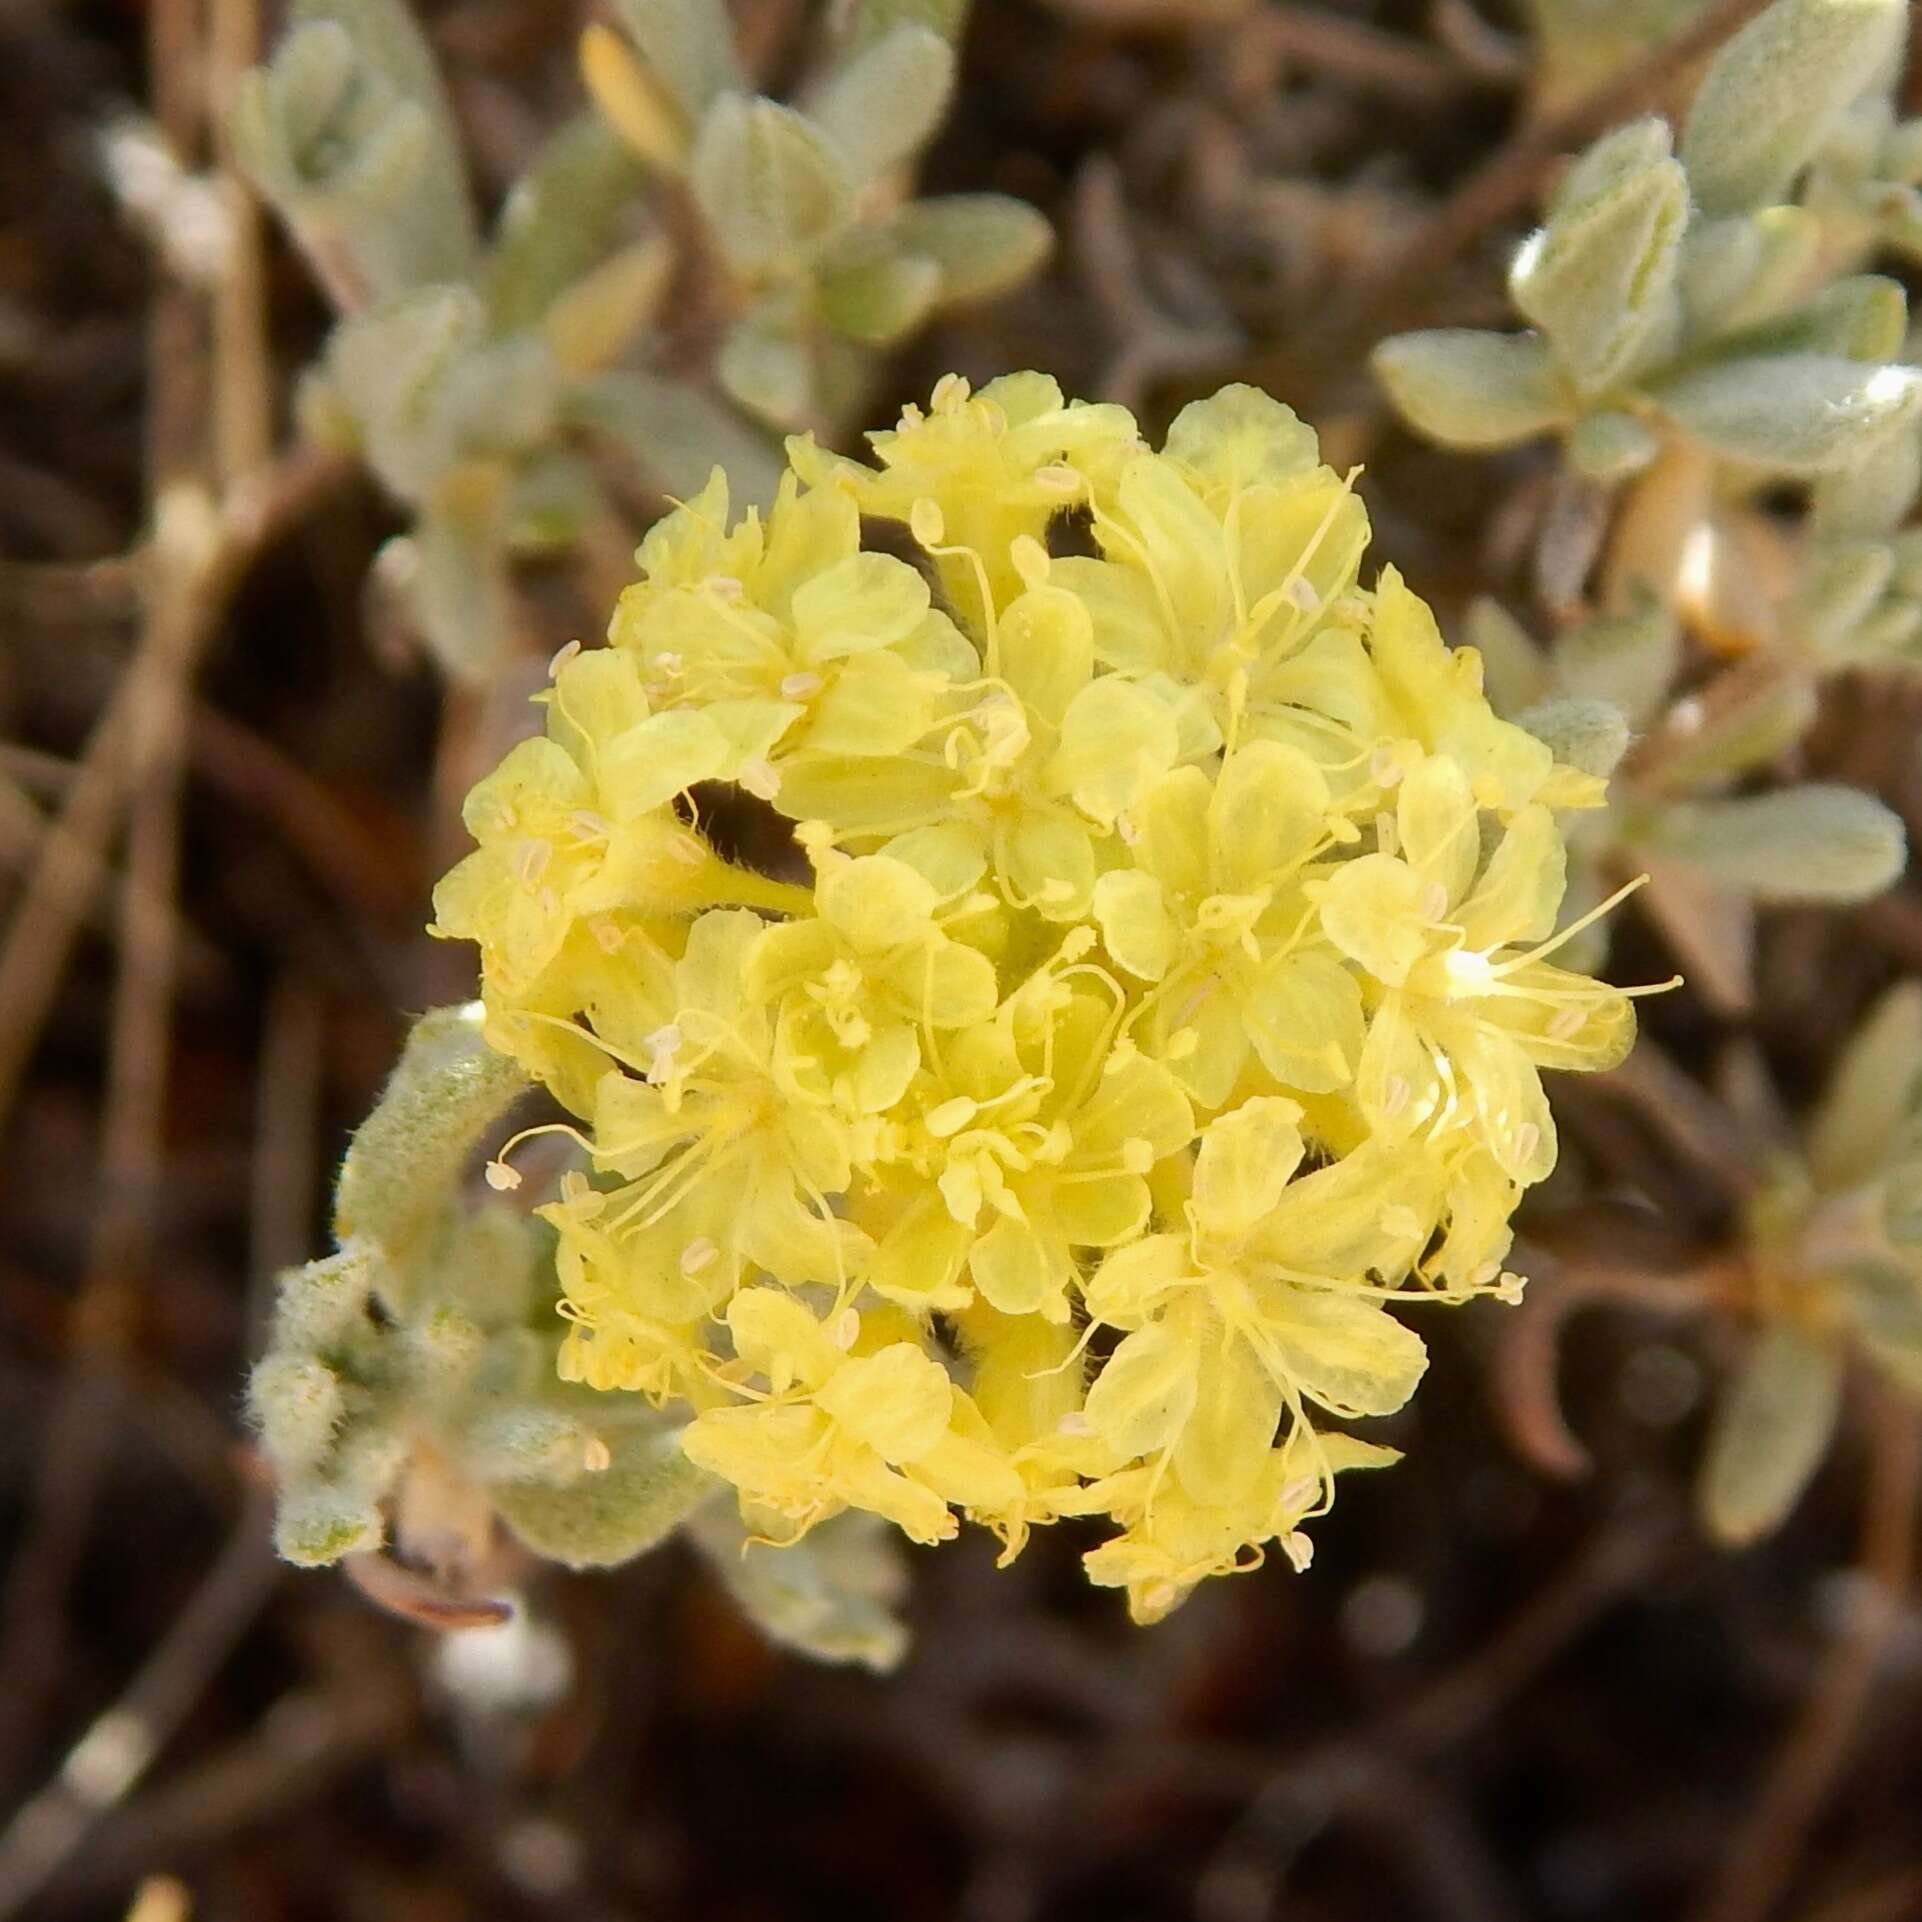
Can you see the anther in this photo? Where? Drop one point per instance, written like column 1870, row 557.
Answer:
column 1030, row 560
column 661, row 1046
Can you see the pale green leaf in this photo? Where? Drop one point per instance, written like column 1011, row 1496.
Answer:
column 983, row 243
column 1611, row 446
column 1771, row 1431
column 1773, row 94
column 646, row 1492
column 558, row 221
column 1467, row 388
column 1873, row 1092
column 830, row 1595
column 678, row 434
column 1810, row 842
column 881, row 298
column 1599, row 278
column 1591, row 735
column 884, row 104
column 448, row 1088
column 768, row 184
column 1791, row 413
column 1630, row 660
column 1872, row 495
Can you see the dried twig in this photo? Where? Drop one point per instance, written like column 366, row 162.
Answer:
column 74, row 849
column 197, row 544
column 1808, row 1767
column 1294, row 1801
column 1529, row 1346
column 300, row 1745
column 114, row 1753
column 1369, row 59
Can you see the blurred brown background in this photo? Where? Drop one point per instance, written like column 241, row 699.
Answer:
column 1496, row 1696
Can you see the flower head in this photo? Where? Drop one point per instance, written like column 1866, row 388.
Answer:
column 1143, row 1006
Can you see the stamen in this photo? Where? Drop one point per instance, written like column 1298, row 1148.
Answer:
column 760, row 778
column 662, row 1046
column 1030, row 560
column 925, row 522
column 1574, row 928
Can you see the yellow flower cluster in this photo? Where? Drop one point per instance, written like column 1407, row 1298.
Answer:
column 1149, row 992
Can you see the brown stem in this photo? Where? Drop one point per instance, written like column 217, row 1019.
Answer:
column 1527, row 1359
column 1809, row 1765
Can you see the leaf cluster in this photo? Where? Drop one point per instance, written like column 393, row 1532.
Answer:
column 488, row 378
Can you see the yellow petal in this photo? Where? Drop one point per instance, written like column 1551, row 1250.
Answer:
column 1135, row 923
column 1376, row 911
column 897, row 1401
column 1304, row 1016
column 1145, row 1392
column 1226, row 1444
column 1246, row 1159
column 1018, row 1273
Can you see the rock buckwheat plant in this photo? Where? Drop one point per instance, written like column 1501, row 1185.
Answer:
column 1144, row 1009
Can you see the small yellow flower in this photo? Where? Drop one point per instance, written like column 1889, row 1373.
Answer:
column 1213, row 914
column 577, row 823
column 873, row 1422
column 1031, row 777
column 1450, row 950
column 1029, row 1145
column 996, row 466
column 787, row 639
column 1170, row 1541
